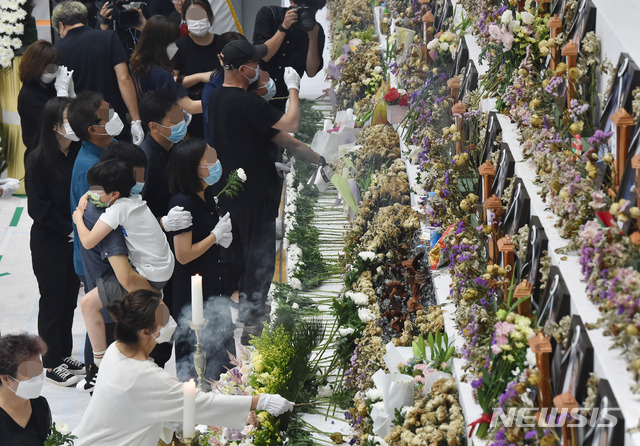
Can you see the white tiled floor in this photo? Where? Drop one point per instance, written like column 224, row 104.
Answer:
column 19, row 304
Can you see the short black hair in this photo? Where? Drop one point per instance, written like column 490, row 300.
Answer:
column 17, row 348
column 155, row 105
column 83, row 113
column 113, row 175
column 182, row 168
column 125, row 151
column 313, row 4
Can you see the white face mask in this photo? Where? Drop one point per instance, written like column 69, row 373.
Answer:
column 199, row 28
column 31, row 388
column 69, row 133
column 113, row 127
column 47, row 78
column 166, row 332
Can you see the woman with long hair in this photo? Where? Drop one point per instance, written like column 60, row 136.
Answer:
column 48, row 181
column 151, row 66
column 25, row 417
column 134, row 398
column 38, row 69
column 196, row 60
column 192, row 170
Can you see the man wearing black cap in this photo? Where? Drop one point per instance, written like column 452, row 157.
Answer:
column 242, row 127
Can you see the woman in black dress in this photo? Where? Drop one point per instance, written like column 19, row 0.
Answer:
column 192, row 169
column 38, row 69
column 48, row 180
column 25, row 417
column 197, row 55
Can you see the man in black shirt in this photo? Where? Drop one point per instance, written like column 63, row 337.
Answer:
column 243, row 126
column 98, row 61
column 289, row 44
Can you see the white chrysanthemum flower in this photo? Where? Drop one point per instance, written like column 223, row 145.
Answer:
column 295, row 283
column 507, row 17
column 365, row 314
column 433, row 44
column 527, row 18
column 343, row 332
column 359, row 299
column 367, row 255
column 374, row 395
column 242, row 175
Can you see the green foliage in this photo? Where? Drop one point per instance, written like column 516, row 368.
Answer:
column 441, row 351
column 310, row 121
column 398, row 420
column 305, row 235
column 234, row 185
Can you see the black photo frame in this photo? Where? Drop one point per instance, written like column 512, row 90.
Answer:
column 537, row 244
column 443, row 11
column 504, row 170
column 518, row 210
column 584, row 22
column 570, row 371
column 628, row 179
column 602, row 430
column 462, row 56
column 470, row 81
column 556, row 301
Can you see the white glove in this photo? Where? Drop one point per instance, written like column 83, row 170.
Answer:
column 282, row 167
column 222, row 231
column 291, row 78
column 72, row 88
column 137, row 134
column 176, row 219
column 274, row 404
column 63, row 78
column 8, row 187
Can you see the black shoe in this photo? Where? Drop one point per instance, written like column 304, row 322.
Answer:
column 89, row 382
column 60, row 376
column 74, row 366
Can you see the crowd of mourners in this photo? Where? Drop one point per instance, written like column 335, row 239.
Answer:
column 132, row 129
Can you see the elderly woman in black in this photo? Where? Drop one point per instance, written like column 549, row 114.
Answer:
column 25, row 417
column 48, row 180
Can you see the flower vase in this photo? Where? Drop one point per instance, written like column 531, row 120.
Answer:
column 396, row 113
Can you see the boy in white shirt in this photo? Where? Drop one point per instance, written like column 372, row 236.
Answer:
column 114, row 187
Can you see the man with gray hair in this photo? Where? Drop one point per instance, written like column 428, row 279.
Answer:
column 99, row 62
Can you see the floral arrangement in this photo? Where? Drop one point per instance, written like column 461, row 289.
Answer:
column 442, row 49
column 397, row 97
column 17, row 29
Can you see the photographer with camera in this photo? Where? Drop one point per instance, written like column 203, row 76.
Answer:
column 294, row 39
column 99, row 63
column 125, row 18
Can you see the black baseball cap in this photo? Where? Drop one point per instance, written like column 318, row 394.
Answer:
column 239, row 52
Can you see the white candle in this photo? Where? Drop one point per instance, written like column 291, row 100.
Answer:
column 197, row 312
column 189, row 409
column 328, row 125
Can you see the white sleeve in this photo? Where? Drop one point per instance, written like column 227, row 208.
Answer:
column 115, row 214
column 162, row 397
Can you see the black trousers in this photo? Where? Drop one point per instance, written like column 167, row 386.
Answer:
column 52, row 260
column 255, row 228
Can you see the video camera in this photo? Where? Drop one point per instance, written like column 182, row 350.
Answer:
column 306, row 10
column 124, row 14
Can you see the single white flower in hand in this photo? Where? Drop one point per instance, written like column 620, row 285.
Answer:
column 242, row 175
